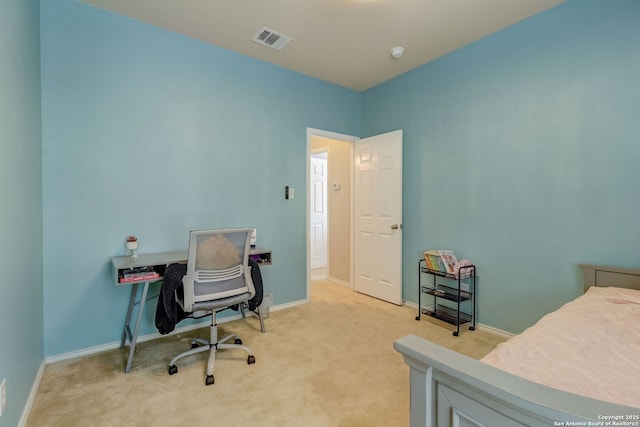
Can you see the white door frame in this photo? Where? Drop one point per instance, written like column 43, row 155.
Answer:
column 339, row 137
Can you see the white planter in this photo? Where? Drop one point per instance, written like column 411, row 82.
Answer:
column 132, row 246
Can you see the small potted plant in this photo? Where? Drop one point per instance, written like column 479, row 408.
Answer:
column 132, row 245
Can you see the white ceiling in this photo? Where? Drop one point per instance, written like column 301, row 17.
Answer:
column 346, row 42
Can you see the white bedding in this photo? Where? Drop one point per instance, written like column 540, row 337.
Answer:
column 589, row 347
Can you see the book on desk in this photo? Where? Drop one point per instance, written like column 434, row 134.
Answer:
column 127, row 270
column 137, row 274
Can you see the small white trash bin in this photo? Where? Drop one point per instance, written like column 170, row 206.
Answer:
column 265, row 307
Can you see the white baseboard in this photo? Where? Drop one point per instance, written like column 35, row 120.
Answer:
column 479, row 326
column 142, row 338
column 410, row 304
column 339, row 282
column 495, row 331
column 116, row 344
column 289, row 304
column 148, row 337
column 32, row 396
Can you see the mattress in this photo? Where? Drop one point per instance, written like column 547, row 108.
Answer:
column 589, row 346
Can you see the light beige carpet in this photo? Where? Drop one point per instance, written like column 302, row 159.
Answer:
column 330, row 362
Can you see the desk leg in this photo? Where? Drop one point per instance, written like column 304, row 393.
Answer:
column 136, row 329
column 262, row 328
column 127, row 320
column 257, row 313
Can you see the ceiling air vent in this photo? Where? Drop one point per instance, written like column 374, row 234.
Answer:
column 268, row 37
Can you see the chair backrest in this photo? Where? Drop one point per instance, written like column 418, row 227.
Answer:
column 217, row 266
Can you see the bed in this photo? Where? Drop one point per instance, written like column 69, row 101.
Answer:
column 578, row 366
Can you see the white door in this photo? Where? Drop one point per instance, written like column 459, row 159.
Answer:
column 378, row 216
column 318, row 209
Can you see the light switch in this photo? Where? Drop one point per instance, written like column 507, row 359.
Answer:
column 289, row 193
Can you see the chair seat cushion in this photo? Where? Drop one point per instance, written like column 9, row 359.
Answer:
column 221, row 303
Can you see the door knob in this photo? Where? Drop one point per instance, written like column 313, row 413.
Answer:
column 396, row 226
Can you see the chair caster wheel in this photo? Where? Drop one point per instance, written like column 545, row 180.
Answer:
column 173, row 369
column 194, row 345
column 455, row 334
column 251, row 360
column 417, row 317
column 210, row 380
column 238, row 341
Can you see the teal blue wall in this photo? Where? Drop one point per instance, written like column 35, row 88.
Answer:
column 150, row 133
column 521, row 153
column 21, row 319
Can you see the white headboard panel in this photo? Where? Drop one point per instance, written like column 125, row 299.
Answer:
column 602, row 275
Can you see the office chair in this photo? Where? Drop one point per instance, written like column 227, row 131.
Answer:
column 218, row 277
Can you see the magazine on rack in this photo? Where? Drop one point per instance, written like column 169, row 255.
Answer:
column 449, row 259
column 441, row 260
column 434, row 261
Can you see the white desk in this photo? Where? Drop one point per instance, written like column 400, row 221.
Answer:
column 158, row 262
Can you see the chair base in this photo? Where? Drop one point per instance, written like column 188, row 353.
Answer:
column 212, row 346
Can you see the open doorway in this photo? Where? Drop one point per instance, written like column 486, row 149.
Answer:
column 330, row 194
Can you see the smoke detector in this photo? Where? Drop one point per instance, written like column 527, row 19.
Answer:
column 397, row 52
column 268, row 37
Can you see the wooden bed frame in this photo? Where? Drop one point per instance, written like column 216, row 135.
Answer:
column 450, row 389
